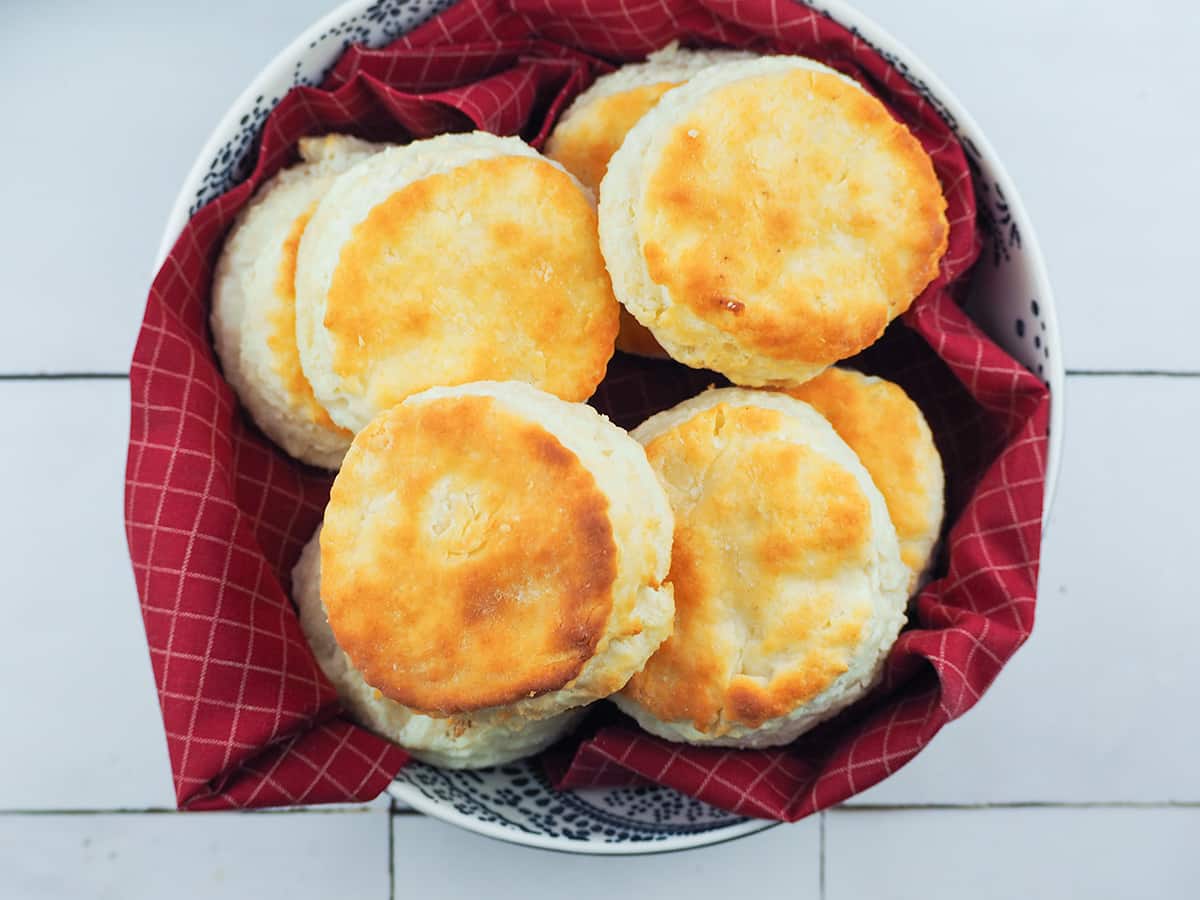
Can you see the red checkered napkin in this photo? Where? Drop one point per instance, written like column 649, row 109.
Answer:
column 216, row 514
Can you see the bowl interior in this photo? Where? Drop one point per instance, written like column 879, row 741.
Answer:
column 1009, row 296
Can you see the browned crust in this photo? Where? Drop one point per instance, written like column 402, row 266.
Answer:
column 585, row 142
column 491, row 271
column 282, row 339
column 467, row 558
column 888, row 432
column 761, row 522
column 793, row 211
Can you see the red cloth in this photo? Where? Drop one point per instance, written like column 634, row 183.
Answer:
column 216, row 515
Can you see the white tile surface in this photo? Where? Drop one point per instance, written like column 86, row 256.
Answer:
column 1084, row 106
column 1098, row 149
column 1084, row 103
column 433, row 859
column 113, row 100
column 76, row 671
column 201, row 855
column 1101, row 703
column 1100, row 854
column 79, row 671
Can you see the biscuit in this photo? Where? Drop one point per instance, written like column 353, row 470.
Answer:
column 461, row 258
column 594, row 125
column 592, row 128
column 457, row 742
column 769, row 218
column 490, row 545
column 788, row 583
column 892, row 439
column 254, row 303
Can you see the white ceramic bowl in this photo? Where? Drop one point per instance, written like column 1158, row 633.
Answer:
column 1011, row 299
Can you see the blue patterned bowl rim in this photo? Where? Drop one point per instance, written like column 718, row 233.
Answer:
column 514, row 803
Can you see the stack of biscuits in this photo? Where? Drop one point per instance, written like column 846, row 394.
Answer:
column 428, row 320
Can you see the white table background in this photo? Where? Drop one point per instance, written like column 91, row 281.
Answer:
column 1077, row 775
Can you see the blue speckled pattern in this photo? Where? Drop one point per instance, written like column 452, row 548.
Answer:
column 519, row 797
column 377, row 25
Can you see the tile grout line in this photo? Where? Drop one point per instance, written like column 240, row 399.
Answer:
column 821, row 866
column 844, row 808
column 1018, row 804
column 1133, row 373
column 391, row 845
column 169, row 811
column 33, row 378
column 1070, row 373
column 64, row 376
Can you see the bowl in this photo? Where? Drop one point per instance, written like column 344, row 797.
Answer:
column 1010, row 297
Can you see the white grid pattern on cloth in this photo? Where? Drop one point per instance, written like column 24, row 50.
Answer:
column 293, row 776
column 223, row 754
column 257, row 471
column 673, row 764
column 152, row 374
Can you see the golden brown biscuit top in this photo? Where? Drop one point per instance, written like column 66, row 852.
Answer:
column 584, row 144
column 792, row 210
column 764, row 528
column 467, row 559
column 491, row 271
column 889, row 434
column 282, row 339
column 586, row 141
